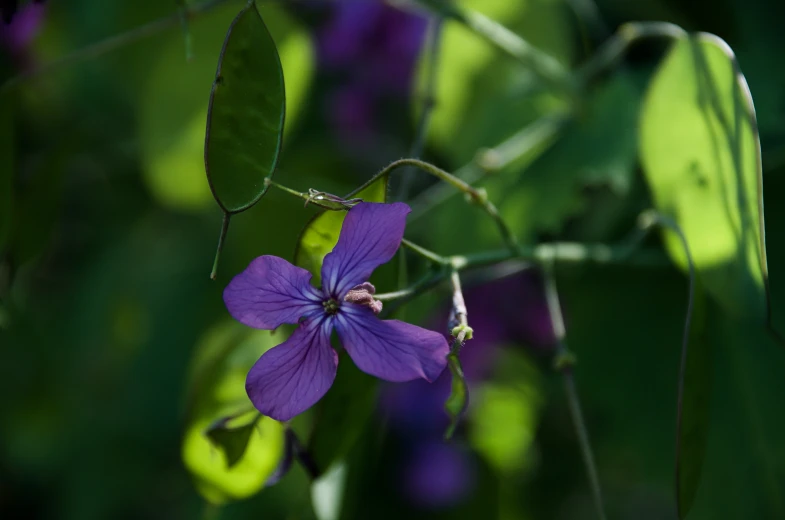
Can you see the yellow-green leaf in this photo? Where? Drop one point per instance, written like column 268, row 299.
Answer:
column 229, row 449
column 701, row 156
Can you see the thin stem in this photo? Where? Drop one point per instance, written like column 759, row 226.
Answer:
column 114, row 42
column 616, row 46
column 221, row 240
column 564, row 364
column 333, row 203
column 477, row 196
column 583, row 440
column 651, row 219
column 413, row 290
column 431, row 52
column 530, row 138
column 425, row 253
column 184, row 22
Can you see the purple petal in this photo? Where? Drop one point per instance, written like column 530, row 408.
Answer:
column 370, row 235
column 390, row 349
column 292, row 377
column 270, row 292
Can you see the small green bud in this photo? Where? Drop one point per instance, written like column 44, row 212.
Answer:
column 468, row 332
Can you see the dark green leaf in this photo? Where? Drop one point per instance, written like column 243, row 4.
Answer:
column 458, row 399
column 7, row 166
column 701, row 156
column 245, row 117
column 693, row 413
column 37, row 204
column 233, row 439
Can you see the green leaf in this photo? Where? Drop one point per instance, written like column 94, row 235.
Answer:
column 321, row 233
column 505, row 414
column 233, row 439
column 245, row 117
column 701, row 157
column 172, row 108
column 458, row 399
column 693, row 413
column 229, row 449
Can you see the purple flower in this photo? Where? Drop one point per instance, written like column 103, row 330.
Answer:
column 290, row 378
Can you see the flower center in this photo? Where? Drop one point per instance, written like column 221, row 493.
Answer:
column 363, row 295
column 331, row 306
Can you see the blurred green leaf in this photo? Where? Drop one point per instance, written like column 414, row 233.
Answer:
column 321, row 233
column 505, row 414
column 459, row 394
column 598, row 148
column 693, row 414
column 483, row 96
column 174, row 108
column 246, row 114
column 701, row 156
column 229, row 450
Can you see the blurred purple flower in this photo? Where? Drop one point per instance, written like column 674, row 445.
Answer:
column 292, row 377
column 372, row 49
column 437, row 475
column 16, row 36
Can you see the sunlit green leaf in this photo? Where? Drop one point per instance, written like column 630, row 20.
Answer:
column 174, row 103
column 693, row 415
column 229, row 449
column 321, row 233
column 701, row 156
column 246, row 115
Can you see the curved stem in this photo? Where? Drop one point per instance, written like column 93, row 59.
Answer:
column 616, row 46
column 431, row 53
column 475, row 195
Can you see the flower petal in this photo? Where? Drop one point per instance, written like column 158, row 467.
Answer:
column 390, row 349
column 370, row 236
column 292, row 377
column 271, row 291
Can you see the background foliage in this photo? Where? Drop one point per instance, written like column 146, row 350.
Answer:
column 117, row 354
